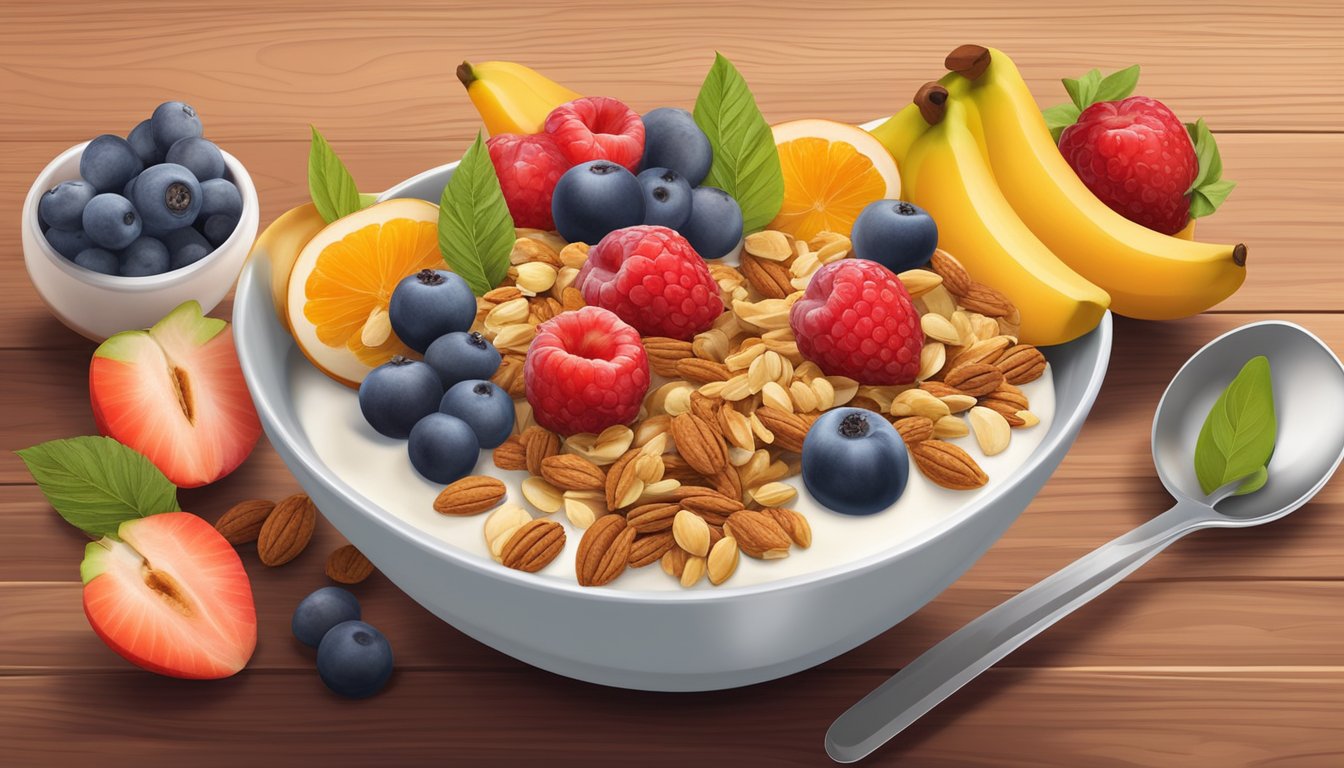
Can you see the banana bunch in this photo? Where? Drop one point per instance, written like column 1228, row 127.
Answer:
column 511, row 98
column 975, row 152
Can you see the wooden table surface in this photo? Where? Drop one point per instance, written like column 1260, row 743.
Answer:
column 1225, row 651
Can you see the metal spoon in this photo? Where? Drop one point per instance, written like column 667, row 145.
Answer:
column 1308, row 386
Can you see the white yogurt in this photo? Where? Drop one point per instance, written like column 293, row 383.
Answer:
column 378, row 468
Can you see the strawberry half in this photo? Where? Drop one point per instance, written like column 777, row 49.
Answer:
column 170, row 595
column 176, row 394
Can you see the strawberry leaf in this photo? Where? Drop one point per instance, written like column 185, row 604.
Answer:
column 97, row 484
column 329, row 182
column 475, row 230
column 1083, row 91
column 1118, row 85
column 1059, row 117
column 1206, row 199
column 746, row 162
column 1209, row 190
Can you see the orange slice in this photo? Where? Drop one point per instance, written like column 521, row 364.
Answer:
column 343, row 279
column 831, row 171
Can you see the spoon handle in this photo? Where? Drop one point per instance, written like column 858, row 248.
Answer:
column 963, row 655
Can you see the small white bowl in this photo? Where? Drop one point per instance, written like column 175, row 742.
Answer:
column 97, row 305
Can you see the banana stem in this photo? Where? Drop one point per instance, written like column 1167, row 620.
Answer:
column 465, row 74
column 931, row 98
column 970, row 61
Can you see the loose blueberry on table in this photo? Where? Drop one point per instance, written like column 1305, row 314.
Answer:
column 354, row 659
column 321, row 610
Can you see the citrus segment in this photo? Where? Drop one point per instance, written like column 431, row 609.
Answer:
column 831, row 171
column 343, row 279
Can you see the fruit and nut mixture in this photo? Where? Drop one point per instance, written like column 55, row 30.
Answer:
column 707, row 466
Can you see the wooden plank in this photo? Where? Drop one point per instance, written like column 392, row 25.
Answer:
column 389, row 76
column 1206, row 717
column 1135, row 626
column 1291, row 188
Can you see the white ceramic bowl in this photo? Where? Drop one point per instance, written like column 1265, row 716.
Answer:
column 675, row 640
column 97, row 305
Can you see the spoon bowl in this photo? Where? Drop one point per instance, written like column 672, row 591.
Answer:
column 1308, row 380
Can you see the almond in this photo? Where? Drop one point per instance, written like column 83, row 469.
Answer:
column 788, row 428
column 920, row 281
column 650, row 548
column 939, row 389
column 699, row 444
column 471, row 495
column 768, row 244
column 975, row 379
column 623, row 483
column 985, row 300
column 702, row 371
column 771, row 279
column 573, row 473
column 604, row 551
column 539, row 443
column 1028, row 418
column 691, row 533
column 673, row 561
column 950, row 427
column 664, row 353
column 773, row 494
column 722, row 560
column 652, row 518
column 757, row 534
column 727, row 482
column 533, row 546
column 347, row 565
column 984, row 351
column 692, row 570
column 947, row 465
column 1007, row 400
column 794, row 524
column 991, row 430
column 913, row 429
column 1021, row 363
column 287, row 530
column 511, row 454
column 242, row 523
column 708, row 503
column 540, row 494
column 505, row 518
column 954, row 275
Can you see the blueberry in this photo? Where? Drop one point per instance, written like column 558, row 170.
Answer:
column 109, row 162
column 667, row 197
column 428, row 304
column 896, row 234
column 354, row 659
column 128, row 191
column 486, row 408
column 220, row 196
column 459, row 356
column 62, row 206
column 397, row 394
column 673, row 140
column 141, row 139
column 715, row 226
column 854, row 461
column 173, row 121
column 168, row 197
column 198, row 155
column 443, row 448
column 320, row 611
column 186, row 246
column 217, row 228
column 98, row 260
column 68, row 242
column 146, row 256
column 595, row 198
column 111, row 221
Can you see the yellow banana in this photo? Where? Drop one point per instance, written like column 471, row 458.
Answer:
column 1148, row 274
column 944, row 171
column 511, row 98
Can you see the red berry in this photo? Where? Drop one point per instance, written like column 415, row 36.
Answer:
column 597, row 128
column 586, row 371
column 528, row 168
column 652, row 279
column 1136, row 156
column 857, row 320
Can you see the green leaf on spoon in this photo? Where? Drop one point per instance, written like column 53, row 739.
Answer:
column 1238, row 435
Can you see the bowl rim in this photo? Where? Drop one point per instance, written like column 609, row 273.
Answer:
column 45, row 180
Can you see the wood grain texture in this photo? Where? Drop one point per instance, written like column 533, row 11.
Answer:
column 1222, row 652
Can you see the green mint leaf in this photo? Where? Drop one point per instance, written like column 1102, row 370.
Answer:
column 1206, row 199
column 1059, row 117
column 1209, row 189
column 1238, row 435
column 329, row 182
column 96, row 483
column 746, row 162
column 1118, row 85
column 1083, row 91
column 475, row 230
column 1253, row 483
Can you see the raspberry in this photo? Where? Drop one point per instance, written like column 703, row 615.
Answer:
column 528, row 168
column 597, row 128
column 857, row 320
column 1136, row 156
column 586, row 371
column 652, row 279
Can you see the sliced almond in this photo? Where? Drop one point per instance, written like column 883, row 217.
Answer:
column 932, row 358
column 691, row 532
column 1028, row 418
column 542, row 495
column 920, row 281
column 502, row 519
column 377, row 328
column 692, row 571
column 722, row 561
column 774, row 494
column 939, row 328
column 950, row 428
column 991, row 430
